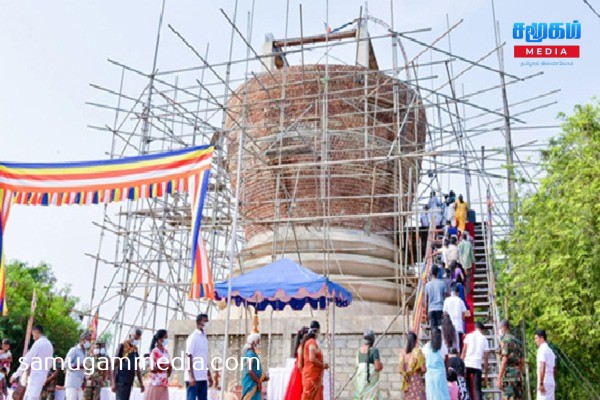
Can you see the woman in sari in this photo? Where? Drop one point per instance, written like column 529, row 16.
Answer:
column 461, row 213
column 313, row 365
column 294, row 387
column 366, row 382
column 412, row 368
column 252, row 376
column 435, row 378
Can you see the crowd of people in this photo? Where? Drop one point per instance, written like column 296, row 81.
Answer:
column 445, row 368
column 452, row 365
column 87, row 368
column 452, row 209
column 441, row 370
column 454, row 362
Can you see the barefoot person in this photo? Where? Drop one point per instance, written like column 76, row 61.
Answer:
column 126, row 368
column 312, row 372
column 197, row 374
column 75, row 375
column 294, row 387
column 160, row 363
column 253, row 376
column 366, row 382
column 412, row 369
column 546, row 360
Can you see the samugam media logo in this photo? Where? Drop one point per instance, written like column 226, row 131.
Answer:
column 537, row 32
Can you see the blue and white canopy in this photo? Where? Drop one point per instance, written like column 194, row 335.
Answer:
column 283, row 283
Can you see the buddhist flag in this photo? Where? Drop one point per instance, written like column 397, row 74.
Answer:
column 94, row 326
column 202, row 286
column 106, row 181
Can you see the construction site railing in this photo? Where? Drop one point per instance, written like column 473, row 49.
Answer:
column 422, row 280
column 486, row 230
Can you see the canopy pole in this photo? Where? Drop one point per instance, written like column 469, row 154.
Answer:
column 328, row 341
column 255, row 321
column 246, row 311
column 332, row 356
column 270, row 339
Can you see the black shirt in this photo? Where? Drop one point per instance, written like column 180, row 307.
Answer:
column 126, row 371
column 457, row 365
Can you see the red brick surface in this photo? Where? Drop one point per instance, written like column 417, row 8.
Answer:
column 267, row 115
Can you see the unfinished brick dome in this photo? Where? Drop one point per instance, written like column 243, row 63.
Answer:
column 282, row 170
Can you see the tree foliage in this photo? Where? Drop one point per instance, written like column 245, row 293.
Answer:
column 54, row 308
column 553, row 281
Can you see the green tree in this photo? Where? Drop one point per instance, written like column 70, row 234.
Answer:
column 553, row 281
column 54, row 308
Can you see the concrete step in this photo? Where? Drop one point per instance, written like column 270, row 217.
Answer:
column 492, row 394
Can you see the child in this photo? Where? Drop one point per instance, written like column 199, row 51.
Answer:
column 456, row 371
column 5, row 355
column 452, row 385
column 3, row 383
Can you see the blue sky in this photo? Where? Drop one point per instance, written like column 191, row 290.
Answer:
column 52, row 51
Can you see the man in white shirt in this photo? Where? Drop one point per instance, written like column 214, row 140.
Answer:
column 456, row 309
column 74, row 362
column 452, row 253
column 546, row 360
column 475, row 352
column 450, row 213
column 38, row 361
column 197, row 374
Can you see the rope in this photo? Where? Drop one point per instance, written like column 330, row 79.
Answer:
column 421, row 287
column 576, row 372
column 591, row 8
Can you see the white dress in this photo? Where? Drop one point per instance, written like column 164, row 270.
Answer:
column 451, row 213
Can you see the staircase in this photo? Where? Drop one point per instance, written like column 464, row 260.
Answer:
column 484, row 305
column 482, row 301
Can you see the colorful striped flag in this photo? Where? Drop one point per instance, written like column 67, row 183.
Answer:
column 105, row 181
column 202, row 283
